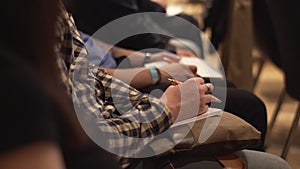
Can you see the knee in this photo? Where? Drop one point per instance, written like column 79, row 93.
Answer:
column 255, row 159
column 247, row 102
column 254, row 103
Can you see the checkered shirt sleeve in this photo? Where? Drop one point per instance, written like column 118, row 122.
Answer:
column 118, row 109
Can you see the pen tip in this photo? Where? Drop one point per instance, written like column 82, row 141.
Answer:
column 215, row 99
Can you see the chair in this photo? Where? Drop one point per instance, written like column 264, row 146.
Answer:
column 284, row 18
column 264, row 38
column 260, row 60
column 230, row 23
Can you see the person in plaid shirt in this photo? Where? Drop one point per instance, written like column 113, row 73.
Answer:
column 118, row 108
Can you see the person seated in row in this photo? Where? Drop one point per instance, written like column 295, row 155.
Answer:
column 85, row 82
column 239, row 102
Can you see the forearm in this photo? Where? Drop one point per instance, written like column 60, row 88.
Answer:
column 135, row 77
column 136, row 58
column 127, row 112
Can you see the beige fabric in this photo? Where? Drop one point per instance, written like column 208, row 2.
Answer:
column 236, row 50
column 230, row 133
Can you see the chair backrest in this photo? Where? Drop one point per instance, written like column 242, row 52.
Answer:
column 264, row 34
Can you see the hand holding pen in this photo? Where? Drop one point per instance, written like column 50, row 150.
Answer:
column 208, row 86
column 188, row 99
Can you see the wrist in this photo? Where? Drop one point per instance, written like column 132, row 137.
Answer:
column 147, row 57
column 164, row 77
column 155, row 75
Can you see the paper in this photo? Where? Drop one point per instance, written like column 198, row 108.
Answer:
column 204, row 69
column 210, row 113
column 155, row 64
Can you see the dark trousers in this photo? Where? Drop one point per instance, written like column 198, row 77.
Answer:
column 249, row 107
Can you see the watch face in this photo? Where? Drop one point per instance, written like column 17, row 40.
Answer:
column 148, row 55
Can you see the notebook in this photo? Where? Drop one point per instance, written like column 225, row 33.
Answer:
column 204, row 69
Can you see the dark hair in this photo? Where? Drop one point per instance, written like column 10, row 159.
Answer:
column 28, row 28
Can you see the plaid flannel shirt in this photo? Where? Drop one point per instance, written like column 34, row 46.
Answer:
column 115, row 106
